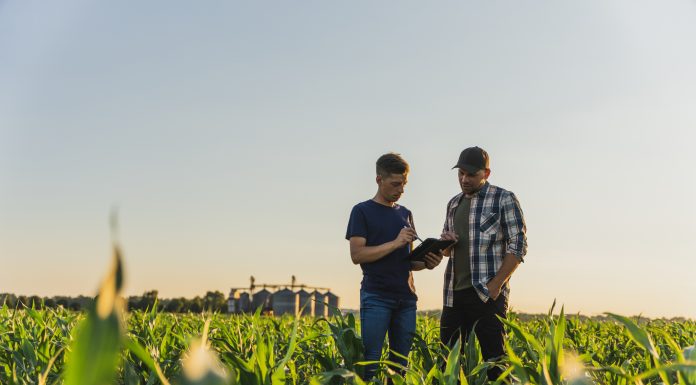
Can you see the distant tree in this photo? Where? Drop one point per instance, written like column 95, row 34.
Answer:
column 22, row 301
column 62, row 301
column 147, row 301
column 212, row 301
column 215, row 301
column 174, row 305
column 133, row 303
column 83, row 302
column 10, row 300
column 50, row 302
column 35, row 302
column 185, row 305
column 196, row 305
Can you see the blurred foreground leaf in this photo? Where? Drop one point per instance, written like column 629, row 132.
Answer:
column 94, row 353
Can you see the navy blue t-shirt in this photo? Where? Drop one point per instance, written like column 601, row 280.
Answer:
column 390, row 275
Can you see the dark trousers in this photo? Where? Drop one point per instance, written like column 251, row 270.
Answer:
column 459, row 320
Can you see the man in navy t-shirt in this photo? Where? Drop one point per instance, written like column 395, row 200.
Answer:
column 380, row 234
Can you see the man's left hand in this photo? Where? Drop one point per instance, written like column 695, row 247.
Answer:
column 493, row 290
column 432, row 260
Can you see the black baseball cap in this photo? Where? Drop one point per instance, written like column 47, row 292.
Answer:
column 473, row 159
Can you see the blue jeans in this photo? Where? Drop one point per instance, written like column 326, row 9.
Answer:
column 380, row 316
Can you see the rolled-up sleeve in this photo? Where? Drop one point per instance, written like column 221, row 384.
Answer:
column 514, row 228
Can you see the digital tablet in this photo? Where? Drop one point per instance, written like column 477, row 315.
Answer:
column 427, row 246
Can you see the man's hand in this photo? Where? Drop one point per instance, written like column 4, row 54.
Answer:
column 493, row 289
column 406, row 236
column 432, row 260
column 495, row 285
column 450, row 236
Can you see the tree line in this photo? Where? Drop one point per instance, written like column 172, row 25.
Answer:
column 213, row 301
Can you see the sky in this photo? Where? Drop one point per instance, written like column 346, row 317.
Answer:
column 235, row 137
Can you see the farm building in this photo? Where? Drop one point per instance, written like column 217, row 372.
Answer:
column 282, row 299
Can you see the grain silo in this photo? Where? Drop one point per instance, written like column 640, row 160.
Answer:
column 332, row 299
column 320, row 309
column 244, row 303
column 285, row 301
column 261, row 299
column 306, row 303
column 307, row 300
column 233, row 301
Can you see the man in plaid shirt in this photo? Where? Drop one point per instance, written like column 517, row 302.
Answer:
column 489, row 227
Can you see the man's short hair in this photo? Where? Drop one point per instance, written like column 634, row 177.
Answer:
column 391, row 163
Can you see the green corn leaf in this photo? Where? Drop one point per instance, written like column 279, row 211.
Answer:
column 201, row 365
column 532, row 345
column 327, row 378
column 637, row 335
column 94, row 353
column 139, row 351
column 451, row 372
column 278, row 376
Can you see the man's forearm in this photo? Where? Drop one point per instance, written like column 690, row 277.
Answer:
column 510, row 263
column 367, row 254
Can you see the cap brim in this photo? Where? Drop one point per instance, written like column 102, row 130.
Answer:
column 467, row 168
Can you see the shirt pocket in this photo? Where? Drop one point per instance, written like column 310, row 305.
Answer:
column 490, row 223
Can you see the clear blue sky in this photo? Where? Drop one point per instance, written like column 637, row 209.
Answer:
column 236, row 136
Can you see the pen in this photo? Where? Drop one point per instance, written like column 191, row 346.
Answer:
column 409, row 227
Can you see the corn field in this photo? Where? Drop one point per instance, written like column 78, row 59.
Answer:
column 104, row 345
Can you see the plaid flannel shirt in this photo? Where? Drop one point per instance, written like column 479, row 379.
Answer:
column 496, row 228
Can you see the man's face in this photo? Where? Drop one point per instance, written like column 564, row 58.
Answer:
column 472, row 182
column 392, row 186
